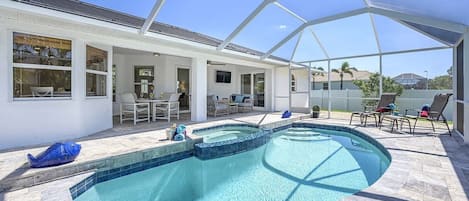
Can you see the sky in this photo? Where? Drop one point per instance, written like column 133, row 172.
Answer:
column 346, row 37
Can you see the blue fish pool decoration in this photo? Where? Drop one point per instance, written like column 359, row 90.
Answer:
column 57, row 154
column 286, row 114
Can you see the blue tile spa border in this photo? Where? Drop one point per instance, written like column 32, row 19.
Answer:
column 102, row 176
column 206, row 151
column 223, row 126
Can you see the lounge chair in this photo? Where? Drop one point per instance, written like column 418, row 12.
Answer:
column 215, row 107
column 375, row 111
column 435, row 112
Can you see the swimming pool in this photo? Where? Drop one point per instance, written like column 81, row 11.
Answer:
column 296, row 164
column 225, row 133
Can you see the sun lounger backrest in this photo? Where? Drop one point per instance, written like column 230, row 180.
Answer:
column 386, row 99
column 438, row 105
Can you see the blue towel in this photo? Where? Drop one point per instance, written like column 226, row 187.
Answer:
column 179, row 137
column 426, row 107
column 181, row 129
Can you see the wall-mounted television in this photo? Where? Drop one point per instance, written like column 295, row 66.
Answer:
column 223, row 77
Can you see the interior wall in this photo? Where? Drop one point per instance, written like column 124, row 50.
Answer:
column 222, row 90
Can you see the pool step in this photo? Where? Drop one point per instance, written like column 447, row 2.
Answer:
column 301, row 132
column 304, row 138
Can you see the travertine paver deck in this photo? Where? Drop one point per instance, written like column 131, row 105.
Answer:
column 424, row 167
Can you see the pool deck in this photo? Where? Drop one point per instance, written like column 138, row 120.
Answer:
column 424, row 167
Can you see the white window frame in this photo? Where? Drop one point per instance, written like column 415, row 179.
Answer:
column 293, row 83
column 36, row 66
column 97, row 72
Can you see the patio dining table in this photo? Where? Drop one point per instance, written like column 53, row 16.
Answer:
column 152, row 103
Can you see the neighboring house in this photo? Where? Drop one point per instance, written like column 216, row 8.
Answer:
column 410, row 80
column 320, row 82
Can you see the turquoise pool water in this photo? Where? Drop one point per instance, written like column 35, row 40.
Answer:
column 297, row 164
column 226, row 133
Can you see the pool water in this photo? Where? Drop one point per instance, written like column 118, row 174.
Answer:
column 297, row 164
column 226, row 133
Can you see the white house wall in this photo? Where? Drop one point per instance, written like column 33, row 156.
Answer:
column 281, row 89
column 25, row 123
column 299, row 99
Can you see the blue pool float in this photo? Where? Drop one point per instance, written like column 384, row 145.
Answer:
column 57, row 154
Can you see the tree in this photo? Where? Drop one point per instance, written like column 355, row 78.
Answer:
column 345, row 68
column 442, row 82
column 370, row 88
column 314, row 74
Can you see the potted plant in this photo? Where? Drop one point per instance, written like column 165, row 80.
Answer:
column 315, row 111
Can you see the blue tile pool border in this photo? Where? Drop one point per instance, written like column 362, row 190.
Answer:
column 102, row 176
column 205, row 151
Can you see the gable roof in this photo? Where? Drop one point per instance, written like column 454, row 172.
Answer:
column 408, row 76
column 84, row 9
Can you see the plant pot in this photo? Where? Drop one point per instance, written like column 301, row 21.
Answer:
column 315, row 111
column 315, row 114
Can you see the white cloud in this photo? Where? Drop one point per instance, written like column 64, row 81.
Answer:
column 282, row 26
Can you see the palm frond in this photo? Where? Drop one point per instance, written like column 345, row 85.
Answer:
column 348, row 71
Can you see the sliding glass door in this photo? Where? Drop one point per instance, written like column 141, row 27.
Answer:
column 253, row 84
column 259, row 86
column 460, row 88
column 246, row 84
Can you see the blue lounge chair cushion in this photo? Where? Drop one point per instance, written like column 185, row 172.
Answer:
column 239, row 99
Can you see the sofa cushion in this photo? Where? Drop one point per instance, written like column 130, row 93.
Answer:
column 239, row 99
column 245, row 104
